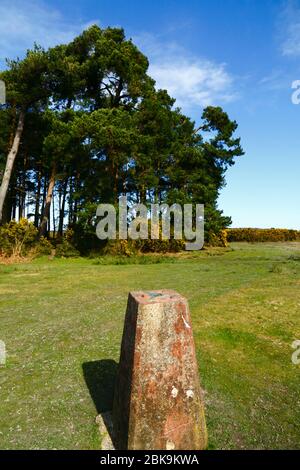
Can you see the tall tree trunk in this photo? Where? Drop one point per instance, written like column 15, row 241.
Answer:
column 70, row 202
column 8, row 206
column 14, row 205
column 45, row 186
column 62, row 209
column 10, row 162
column 53, row 216
column 75, row 207
column 46, row 212
column 37, row 200
column 143, row 195
column 23, row 189
column 22, row 195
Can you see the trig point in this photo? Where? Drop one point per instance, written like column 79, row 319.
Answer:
column 158, row 402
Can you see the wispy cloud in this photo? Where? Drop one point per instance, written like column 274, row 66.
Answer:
column 277, row 80
column 290, row 26
column 193, row 81
column 24, row 22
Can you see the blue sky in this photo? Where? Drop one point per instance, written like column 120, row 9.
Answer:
column 240, row 54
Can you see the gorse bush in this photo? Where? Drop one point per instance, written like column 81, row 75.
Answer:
column 21, row 239
column 17, row 238
column 135, row 247
column 218, row 239
column 42, row 247
column 119, row 248
column 160, row 246
column 65, row 249
column 254, row 235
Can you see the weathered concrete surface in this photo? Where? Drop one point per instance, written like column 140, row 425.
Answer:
column 104, row 422
column 158, row 402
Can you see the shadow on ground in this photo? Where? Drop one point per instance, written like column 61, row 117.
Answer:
column 100, row 377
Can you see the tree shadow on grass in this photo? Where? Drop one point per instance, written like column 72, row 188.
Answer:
column 100, row 377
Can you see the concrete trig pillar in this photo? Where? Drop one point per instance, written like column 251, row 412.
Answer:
column 158, row 403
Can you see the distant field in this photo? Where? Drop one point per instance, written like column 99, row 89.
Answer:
column 60, row 318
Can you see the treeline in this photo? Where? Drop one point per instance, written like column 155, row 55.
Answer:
column 84, row 124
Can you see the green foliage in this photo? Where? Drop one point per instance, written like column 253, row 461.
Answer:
column 138, row 247
column 43, row 247
column 65, row 249
column 17, row 238
column 25, row 79
column 120, row 248
column 97, row 128
column 254, row 235
column 160, row 246
column 218, row 239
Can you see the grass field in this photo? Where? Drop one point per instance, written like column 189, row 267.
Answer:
column 62, row 323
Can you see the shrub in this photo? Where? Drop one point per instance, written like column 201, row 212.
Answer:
column 17, row 238
column 66, row 250
column 133, row 247
column 120, row 248
column 43, row 247
column 254, row 235
column 219, row 239
column 160, row 246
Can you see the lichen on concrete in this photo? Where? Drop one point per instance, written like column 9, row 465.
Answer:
column 158, row 402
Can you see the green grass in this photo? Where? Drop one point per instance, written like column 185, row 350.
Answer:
column 62, row 323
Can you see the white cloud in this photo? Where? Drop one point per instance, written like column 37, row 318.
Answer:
column 290, row 25
column 193, row 81
column 24, row 22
